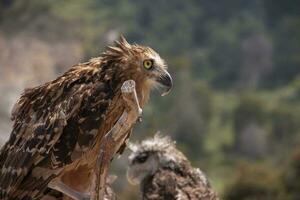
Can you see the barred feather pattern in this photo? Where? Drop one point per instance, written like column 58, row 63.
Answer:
column 58, row 122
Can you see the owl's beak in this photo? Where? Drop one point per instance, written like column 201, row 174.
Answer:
column 166, row 81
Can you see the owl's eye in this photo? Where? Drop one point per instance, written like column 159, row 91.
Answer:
column 148, row 64
column 141, row 158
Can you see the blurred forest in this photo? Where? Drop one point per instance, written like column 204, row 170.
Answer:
column 235, row 107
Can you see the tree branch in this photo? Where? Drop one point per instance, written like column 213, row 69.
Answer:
column 115, row 138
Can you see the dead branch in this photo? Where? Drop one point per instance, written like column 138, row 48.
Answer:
column 113, row 140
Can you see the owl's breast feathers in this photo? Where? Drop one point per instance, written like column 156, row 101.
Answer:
column 57, row 123
column 185, row 184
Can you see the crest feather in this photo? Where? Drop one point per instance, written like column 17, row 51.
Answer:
column 121, row 48
column 123, row 44
column 158, row 143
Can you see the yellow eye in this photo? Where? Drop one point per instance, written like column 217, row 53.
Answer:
column 148, row 64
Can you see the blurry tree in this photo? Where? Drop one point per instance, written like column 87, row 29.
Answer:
column 296, row 85
column 291, row 176
column 283, row 20
column 257, row 182
column 285, row 123
column 257, row 60
column 225, row 47
column 189, row 118
column 249, row 120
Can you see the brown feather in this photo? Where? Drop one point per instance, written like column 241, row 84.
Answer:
column 166, row 173
column 58, row 126
column 170, row 184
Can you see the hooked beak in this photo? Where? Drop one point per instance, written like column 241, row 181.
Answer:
column 166, row 81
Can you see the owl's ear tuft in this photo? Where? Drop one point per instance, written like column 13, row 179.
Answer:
column 123, row 40
column 123, row 44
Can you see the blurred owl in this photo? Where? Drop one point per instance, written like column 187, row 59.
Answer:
column 164, row 173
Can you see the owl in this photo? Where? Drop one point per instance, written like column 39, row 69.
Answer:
column 165, row 173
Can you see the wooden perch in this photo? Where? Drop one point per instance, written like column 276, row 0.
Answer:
column 110, row 144
column 114, row 139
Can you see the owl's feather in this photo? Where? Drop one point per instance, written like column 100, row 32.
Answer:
column 165, row 173
column 171, row 184
column 62, row 121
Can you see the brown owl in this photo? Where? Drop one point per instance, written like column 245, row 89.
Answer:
column 164, row 173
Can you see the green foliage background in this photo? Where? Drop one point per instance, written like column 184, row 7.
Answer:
column 234, row 109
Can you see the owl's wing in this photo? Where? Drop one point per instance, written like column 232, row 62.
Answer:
column 39, row 117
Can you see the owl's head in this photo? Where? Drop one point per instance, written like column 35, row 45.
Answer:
column 140, row 63
column 150, row 155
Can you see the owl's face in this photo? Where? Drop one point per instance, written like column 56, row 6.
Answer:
column 141, row 166
column 150, row 155
column 142, row 64
column 148, row 67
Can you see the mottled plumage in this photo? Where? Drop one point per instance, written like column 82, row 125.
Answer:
column 58, row 126
column 164, row 173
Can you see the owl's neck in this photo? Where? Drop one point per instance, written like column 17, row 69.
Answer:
column 143, row 93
